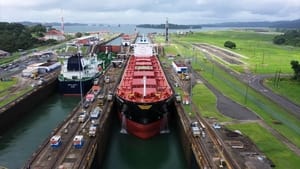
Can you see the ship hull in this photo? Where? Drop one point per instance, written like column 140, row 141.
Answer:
column 143, row 131
column 143, row 120
column 69, row 87
column 144, row 95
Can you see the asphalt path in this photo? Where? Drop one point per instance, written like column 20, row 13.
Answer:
column 256, row 83
column 242, row 114
column 227, row 106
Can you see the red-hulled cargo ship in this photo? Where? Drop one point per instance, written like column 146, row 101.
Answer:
column 144, row 94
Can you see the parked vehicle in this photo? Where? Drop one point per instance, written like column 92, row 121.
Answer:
column 82, row 117
column 95, row 113
column 195, row 129
column 92, row 130
column 78, row 141
column 55, row 141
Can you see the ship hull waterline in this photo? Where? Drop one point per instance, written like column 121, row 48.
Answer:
column 75, row 87
column 143, row 120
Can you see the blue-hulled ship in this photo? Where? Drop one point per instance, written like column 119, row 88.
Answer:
column 78, row 73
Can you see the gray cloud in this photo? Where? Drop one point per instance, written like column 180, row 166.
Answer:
column 145, row 11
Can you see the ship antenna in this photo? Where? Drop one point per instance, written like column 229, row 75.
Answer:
column 62, row 23
column 144, row 80
column 80, row 82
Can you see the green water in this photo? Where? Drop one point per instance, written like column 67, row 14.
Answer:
column 20, row 141
column 128, row 152
column 124, row 151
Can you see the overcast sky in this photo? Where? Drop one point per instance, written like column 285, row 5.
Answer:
column 149, row 11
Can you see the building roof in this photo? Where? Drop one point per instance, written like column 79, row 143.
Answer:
column 3, row 52
column 54, row 32
column 180, row 64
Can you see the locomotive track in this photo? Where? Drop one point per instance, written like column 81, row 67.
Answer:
column 200, row 152
column 66, row 155
column 46, row 156
column 202, row 157
column 201, row 146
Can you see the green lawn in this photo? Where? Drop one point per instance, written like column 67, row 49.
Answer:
column 263, row 55
column 71, row 49
column 280, row 155
column 4, row 85
column 285, row 87
column 12, row 97
column 239, row 92
column 206, row 102
column 229, row 86
column 9, row 59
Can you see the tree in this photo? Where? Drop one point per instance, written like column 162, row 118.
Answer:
column 290, row 37
column 16, row 36
column 39, row 28
column 230, row 44
column 279, row 40
column 296, row 67
column 78, row 34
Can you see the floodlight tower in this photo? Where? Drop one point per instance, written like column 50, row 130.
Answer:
column 167, row 31
column 62, row 23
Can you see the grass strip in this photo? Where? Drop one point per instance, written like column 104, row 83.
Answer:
column 280, row 155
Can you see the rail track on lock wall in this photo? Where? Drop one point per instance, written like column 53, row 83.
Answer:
column 203, row 155
column 66, row 155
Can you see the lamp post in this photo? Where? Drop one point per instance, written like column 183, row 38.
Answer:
column 191, row 87
column 246, row 93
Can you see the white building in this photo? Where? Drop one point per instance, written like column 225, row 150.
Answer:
column 179, row 67
column 3, row 54
column 55, row 34
column 40, row 68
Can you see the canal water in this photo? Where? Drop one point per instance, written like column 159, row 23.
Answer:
column 21, row 140
column 123, row 152
column 128, row 152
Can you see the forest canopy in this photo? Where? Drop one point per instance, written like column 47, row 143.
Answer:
column 290, row 37
column 15, row 36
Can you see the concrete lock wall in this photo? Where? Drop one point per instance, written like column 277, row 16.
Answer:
column 17, row 109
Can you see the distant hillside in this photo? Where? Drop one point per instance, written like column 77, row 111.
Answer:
column 277, row 24
column 51, row 23
column 239, row 24
column 287, row 24
column 171, row 26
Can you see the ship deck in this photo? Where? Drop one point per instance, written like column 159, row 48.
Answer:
column 144, row 81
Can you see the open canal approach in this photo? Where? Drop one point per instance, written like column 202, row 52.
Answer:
column 124, row 151
column 129, row 152
column 19, row 142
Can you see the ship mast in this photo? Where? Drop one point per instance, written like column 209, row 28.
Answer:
column 80, row 78
column 144, row 80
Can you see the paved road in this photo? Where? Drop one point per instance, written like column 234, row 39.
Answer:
column 239, row 112
column 227, row 106
column 256, row 82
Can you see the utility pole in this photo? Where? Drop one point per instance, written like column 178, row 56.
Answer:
column 167, row 31
column 246, row 94
column 62, row 23
column 191, row 87
column 263, row 58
